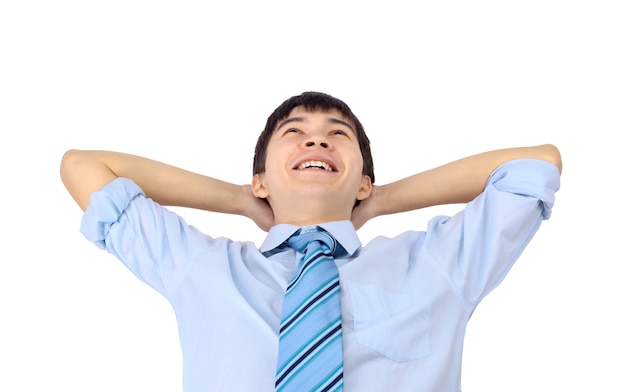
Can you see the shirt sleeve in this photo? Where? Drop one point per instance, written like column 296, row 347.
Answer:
column 478, row 246
column 152, row 241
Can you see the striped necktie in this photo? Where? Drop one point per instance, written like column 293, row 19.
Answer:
column 310, row 356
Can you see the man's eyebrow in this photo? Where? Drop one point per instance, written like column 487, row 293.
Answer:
column 331, row 120
column 341, row 122
column 288, row 121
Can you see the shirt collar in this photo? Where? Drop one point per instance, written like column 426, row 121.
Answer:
column 342, row 231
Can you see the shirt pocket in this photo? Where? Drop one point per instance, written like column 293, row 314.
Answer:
column 394, row 325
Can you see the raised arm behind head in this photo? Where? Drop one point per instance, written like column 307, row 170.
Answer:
column 456, row 182
column 86, row 171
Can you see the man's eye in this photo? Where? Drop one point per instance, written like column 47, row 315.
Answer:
column 339, row 132
column 292, row 130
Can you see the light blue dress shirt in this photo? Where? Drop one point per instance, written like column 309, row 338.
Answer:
column 405, row 300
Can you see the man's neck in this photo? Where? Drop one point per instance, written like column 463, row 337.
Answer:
column 309, row 215
column 309, row 220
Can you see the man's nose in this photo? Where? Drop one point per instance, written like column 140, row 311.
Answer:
column 312, row 143
column 316, row 139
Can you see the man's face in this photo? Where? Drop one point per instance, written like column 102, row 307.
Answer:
column 313, row 154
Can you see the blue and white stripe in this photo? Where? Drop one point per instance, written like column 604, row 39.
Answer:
column 310, row 343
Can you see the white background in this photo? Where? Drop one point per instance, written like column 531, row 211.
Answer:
column 191, row 84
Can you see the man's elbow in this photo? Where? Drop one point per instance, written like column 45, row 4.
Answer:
column 552, row 154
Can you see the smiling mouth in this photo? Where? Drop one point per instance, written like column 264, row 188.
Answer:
column 315, row 165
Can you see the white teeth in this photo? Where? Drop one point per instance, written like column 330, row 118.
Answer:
column 315, row 165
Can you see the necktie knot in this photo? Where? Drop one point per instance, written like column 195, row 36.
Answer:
column 304, row 239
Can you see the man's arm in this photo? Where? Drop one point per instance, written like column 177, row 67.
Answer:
column 456, row 182
column 86, row 171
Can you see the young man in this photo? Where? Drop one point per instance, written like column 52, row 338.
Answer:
column 404, row 301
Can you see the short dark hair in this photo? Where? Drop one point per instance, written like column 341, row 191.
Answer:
column 312, row 101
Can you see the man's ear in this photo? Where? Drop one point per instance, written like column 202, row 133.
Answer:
column 258, row 186
column 366, row 188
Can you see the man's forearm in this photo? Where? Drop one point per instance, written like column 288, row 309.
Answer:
column 84, row 172
column 456, row 182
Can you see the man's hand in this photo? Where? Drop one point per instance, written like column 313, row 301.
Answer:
column 258, row 210
column 367, row 208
